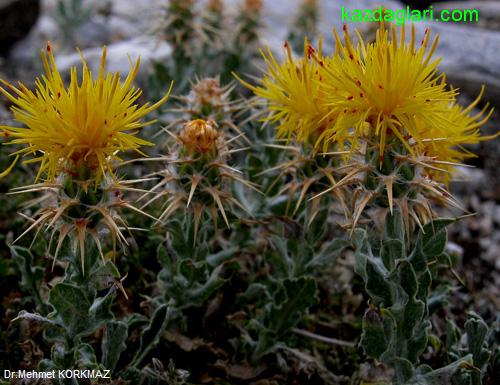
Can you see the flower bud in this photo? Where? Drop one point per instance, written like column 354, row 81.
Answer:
column 199, row 136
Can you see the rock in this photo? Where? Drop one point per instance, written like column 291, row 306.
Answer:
column 467, row 180
column 489, row 12
column 453, row 248
column 469, row 58
column 18, row 17
column 118, row 54
column 122, row 19
column 22, row 53
column 121, row 28
column 92, row 33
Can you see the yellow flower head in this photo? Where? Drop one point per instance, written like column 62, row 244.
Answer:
column 85, row 125
column 390, row 84
column 294, row 94
column 199, row 136
column 393, row 87
column 447, row 148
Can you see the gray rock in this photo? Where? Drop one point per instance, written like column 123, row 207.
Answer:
column 489, row 11
column 453, row 248
column 468, row 180
column 25, row 51
column 118, row 56
column 92, row 33
column 17, row 18
column 469, row 58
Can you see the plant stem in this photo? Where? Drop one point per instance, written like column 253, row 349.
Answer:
column 327, row 340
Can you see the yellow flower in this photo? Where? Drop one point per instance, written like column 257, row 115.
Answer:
column 82, row 126
column 294, row 94
column 446, row 151
column 382, row 92
column 390, row 84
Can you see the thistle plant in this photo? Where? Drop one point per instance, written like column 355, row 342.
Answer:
column 209, row 100
column 248, row 22
column 70, row 15
column 76, row 133
column 198, row 177
column 205, row 39
column 391, row 132
column 397, row 131
column 295, row 95
column 179, row 30
column 212, row 22
column 290, row 237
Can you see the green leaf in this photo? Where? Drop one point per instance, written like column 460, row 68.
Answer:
column 394, row 226
column 452, row 335
column 407, row 278
column 100, row 311
column 267, row 340
column 377, row 284
column 151, row 335
column 476, row 330
column 413, row 314
column 442, row 375
column 85, row 356
column 31, row 275
column 280, row 258
column 434, row 236
column 424, row 284
column 201, row 292
column 254, row 292
column 328, row 255
column 75, row 312
column 373, row 339
column 403, row 371
column 392, row 250
column 23, row 314
column 418, row 343
column 222, row 256
column 113, row 343
column 72, row 308
column 299, row 294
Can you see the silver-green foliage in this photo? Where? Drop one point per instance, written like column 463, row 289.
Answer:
column 398, row 279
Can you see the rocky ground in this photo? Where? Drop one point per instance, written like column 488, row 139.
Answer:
column 128, row 27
